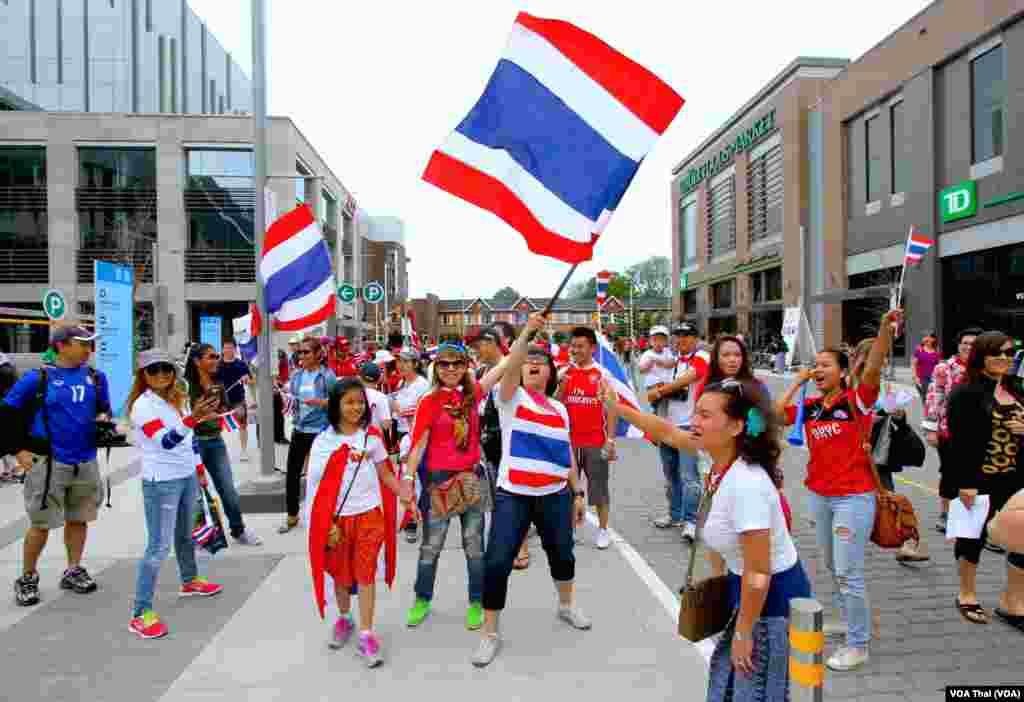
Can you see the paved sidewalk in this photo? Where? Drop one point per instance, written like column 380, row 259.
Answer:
column 262, row 639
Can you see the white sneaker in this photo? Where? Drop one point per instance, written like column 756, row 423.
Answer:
column 574, row 617
column 487, row 650
column 689, row 531
column 834, row 626
column 848, row 658
column 243, row 457
column 247, row 538
column 603, row 540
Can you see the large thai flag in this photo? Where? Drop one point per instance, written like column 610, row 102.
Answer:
column 611, row 366
column 409, row 331
column 296, row 271
column 917, row 246
column 556, row 138
column 539, row 451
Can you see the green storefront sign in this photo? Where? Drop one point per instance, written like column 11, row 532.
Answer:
column 959, row 201
column 743, row 142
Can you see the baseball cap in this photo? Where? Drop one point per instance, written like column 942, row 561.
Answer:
column 369, row 371
column 659, row 330
column 489, row 334
column 685, row 329
column 383, row 357
column 408, row 354
column 65, row 334
column 151, row 357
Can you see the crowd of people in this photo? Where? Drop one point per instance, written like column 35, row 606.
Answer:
column 512, row 429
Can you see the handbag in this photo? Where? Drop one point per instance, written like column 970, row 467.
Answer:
column 455, row 495
column 703, row 607
column 895, row 444
column 337, row 516
column 895, row 521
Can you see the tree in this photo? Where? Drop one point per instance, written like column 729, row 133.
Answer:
column 652, row 278
column 507, row 294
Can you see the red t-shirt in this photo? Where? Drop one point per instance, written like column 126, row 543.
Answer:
column 586, row 413
column 345, row 367
column 838, row 465
column 443, row 453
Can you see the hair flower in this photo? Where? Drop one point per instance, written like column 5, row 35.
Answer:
column 755, row 422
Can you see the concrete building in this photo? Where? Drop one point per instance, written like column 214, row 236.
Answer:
column 926, row 130
column 125, row 56
column 171, row 195
column 741, row 205
column 387, row 264
column 438, row 319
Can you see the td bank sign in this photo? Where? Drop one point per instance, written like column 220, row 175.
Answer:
column 743, row 142
column 959, row 201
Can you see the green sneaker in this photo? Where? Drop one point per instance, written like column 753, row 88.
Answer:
column 474, row 616
column 418, row 613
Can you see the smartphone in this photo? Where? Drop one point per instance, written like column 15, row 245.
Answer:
column 215, row 392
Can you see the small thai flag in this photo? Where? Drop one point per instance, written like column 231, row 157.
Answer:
column 917, row 246
column 602, row 286
column 229, row 423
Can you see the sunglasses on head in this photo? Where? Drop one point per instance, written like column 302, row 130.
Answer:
column 160, row 369
column 729, row 385
column 446, row 365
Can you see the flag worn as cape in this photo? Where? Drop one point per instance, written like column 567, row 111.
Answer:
column 322, row 516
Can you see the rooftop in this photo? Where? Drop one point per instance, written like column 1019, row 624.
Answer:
column 561, row 305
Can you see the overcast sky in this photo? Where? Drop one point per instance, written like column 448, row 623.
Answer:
column 376, row 86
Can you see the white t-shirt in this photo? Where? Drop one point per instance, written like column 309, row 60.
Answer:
column 537, row 462
column 657, row 374
column 679, row 413
column 365, row 494
column 408, row 397
column 380, row 408
column 165, row 440
column 747, row 500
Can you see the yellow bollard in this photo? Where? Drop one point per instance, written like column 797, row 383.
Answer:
column 806, row 650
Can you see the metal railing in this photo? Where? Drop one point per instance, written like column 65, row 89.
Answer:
column 23, row 198
column 25, row 265
column 140, row 261
column 220, row 266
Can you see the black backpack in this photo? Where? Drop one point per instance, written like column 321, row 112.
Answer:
column 490, row 427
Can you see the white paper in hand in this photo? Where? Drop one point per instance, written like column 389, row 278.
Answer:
column 966, row 524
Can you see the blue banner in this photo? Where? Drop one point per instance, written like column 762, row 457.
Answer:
column 115, row 324
column 210, row 332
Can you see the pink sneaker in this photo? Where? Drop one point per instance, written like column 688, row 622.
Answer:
column 148, row 626
column 200, row 587
column 369, row 649
column 343, row 629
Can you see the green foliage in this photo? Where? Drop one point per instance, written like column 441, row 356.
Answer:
column 507, row 294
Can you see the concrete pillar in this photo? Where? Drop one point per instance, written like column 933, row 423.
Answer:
column 62, row 215
column 172, row 233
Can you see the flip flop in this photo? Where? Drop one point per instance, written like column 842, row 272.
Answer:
column 968, row 609
column 1014, row 620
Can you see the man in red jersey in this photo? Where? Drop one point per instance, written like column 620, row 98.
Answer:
column 344, row 363
column 589, row 422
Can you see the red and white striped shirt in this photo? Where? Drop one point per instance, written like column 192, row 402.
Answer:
column 165, row 438
column 536, row 451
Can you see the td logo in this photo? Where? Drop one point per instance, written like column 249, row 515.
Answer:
column 959, row 201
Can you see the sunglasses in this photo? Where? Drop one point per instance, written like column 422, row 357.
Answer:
column 304, row 352
column 211, row 357
column 449, row 365
column 160, row 369
column 728, row 385
column 1005, row 353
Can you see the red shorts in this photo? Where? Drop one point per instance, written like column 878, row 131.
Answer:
column 354, row 559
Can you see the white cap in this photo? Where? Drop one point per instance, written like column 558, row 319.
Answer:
column 659, row 330
column 383, row 357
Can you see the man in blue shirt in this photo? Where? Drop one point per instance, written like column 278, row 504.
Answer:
column 63, row 485
column 234, row 373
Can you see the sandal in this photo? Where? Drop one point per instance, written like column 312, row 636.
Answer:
column 973, row 613
column 1014, row 620
column 521, row 562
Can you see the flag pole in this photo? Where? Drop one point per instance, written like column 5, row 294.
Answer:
column 265, row 396
column 903, row 271
column 558, row 292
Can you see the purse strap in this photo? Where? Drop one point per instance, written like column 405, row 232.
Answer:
column 857, row 415
column 359, row 465
column 702, row 514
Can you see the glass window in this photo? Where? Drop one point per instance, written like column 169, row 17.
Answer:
column 721, row 218
column 764, row 194
column 220, row 169
column 873, row 160
column 757, row 287
column 900, row 162
column 22, row 166
column 721, row 295
column 23, row 229
column 329, row 209
column 690, row 302
column 988, row 93
column 688, row 234
column 773, row 284
column 117, row 168
column 300, row 183
column 117, row 228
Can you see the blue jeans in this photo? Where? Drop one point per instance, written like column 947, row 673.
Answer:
column 435, row 532
column 683, row 478
column 770, row 680
column 218, row 466
column 511, row 520
column 843, row 526
column 169, row 506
